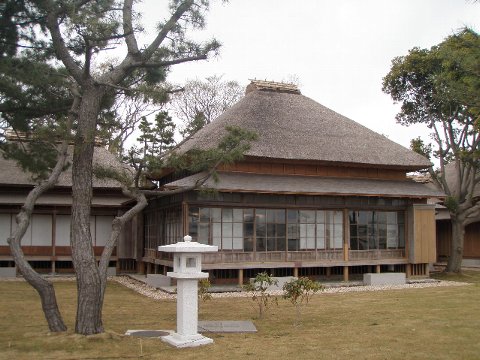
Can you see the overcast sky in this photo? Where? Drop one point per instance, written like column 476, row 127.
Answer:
column 339, row 49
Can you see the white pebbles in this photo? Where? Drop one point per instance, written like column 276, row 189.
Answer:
column 154, row 293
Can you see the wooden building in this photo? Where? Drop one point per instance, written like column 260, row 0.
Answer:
column 316, row 195
column 46, row 243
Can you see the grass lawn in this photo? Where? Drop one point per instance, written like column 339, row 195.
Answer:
column 429, row 323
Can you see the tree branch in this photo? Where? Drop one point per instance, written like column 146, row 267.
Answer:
column 130, row 39
column 58, row 42
column 171, row 23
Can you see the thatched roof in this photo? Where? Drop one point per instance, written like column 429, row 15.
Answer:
column 13, row 175
column 311, row 185
column 294, row 127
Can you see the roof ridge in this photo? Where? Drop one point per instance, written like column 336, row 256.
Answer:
column 264, row 85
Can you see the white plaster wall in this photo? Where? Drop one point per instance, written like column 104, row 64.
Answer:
column 5, row 228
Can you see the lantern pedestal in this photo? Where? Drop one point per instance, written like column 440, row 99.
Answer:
column 187, row 270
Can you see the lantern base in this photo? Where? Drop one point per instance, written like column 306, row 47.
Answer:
column 183, row 341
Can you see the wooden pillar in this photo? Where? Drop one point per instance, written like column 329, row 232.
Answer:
column 240, row 277
column 140, row 267
column 408, row 270
column 345, row 273
column 328, row 272
column 427, row 270
column 53, row 266
column 295, row 272
column 378, row 269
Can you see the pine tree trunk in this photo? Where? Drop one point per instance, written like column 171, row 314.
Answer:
column 456, row 249
column 43, row 287
column 89, row 289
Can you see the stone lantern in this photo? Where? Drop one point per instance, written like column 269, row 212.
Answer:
column 187, row 269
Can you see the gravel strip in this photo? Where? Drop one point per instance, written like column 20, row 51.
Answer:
column 154, row 293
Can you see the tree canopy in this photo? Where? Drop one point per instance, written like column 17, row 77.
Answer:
column 440, row 87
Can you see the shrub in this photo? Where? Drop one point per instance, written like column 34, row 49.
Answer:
column 260, row 296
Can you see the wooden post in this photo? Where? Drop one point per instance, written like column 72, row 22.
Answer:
column 345, row 273
column 427, row 270
column 140, row 267
column 295, row 272
column 378, row 269
column 328, row 272
column 408, row 270
column 240, row 277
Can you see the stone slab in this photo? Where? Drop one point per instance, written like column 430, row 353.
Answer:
column 226, row 327
column 8, row 272
column 384, row 279
column 149, row 333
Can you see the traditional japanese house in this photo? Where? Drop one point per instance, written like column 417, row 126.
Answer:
column 316, row 195
column 46, row 244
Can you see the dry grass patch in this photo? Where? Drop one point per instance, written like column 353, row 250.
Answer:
column 436, row 323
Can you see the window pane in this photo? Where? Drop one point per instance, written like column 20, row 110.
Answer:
column 248, row 244
column 261, row 230
column 216, row 214
column 270, row 216
column 248, row 215
column 280, row 230
column 271, row 244
column 401, row 217
column 401, row 237
column 292, row 216
column 391, row 217
column 307, row 216
column 382, row 230
column 248, row 229
column 217, row 241
column 321, row 243
column 293, row 231
column 381, row 217
column 353, row 230
column 238, row 243
column 205, row 214
column 303, row 243
column 310, row 230
column 320, row 217
column 281, row 244
column 203, row 233
column 260, row 215
column 311, row 243
column 362, row 243
column 270, row 229
column 227, row 243
column 238, row 230
column 338, row 217
column 226, row 230
column 227, row 215
column 280, row 216
column 237, row 215
column 260, row 244
column 353, row 243
column 293, row 244
column 303, row 231
column 382, row 243
column 217, row 230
